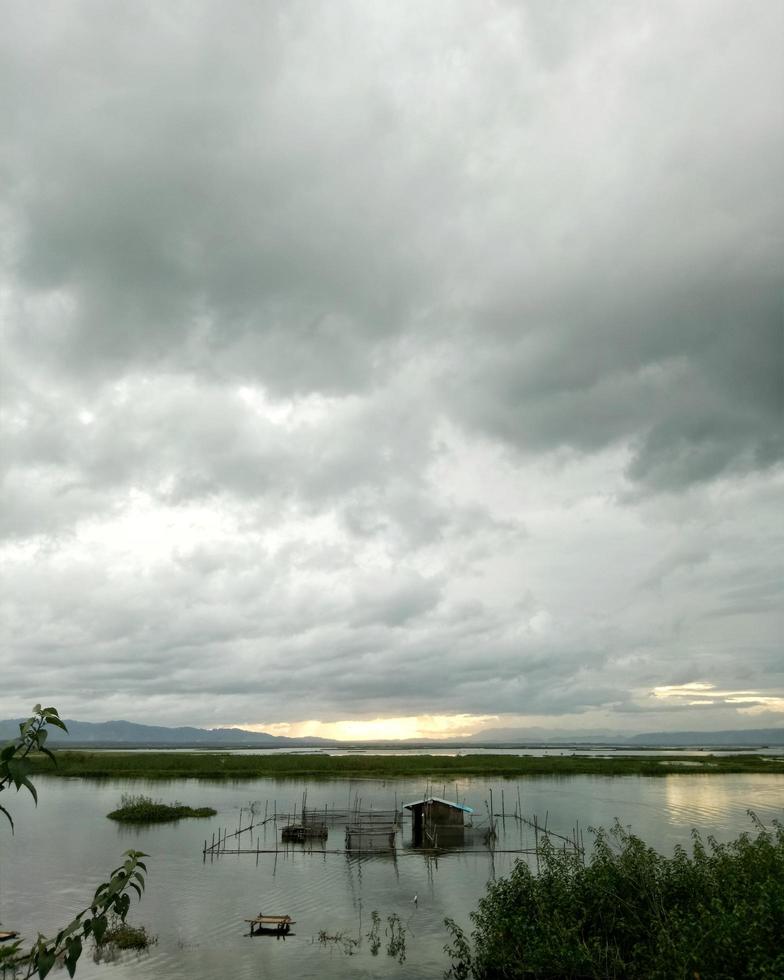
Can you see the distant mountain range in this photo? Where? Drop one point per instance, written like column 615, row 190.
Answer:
column 531, row 736
column 127, row 733
column 109, row 733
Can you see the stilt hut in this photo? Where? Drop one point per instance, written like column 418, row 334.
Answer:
column 432, row 815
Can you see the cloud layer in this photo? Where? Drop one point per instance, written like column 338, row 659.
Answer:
column 430, row 357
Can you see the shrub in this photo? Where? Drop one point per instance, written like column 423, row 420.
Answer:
column 630, row 912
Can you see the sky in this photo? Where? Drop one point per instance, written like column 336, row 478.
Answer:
column 393, row 369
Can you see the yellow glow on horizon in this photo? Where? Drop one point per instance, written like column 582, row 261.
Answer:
column 379, row 729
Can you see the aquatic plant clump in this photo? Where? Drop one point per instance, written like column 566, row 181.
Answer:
column 143, row 809
column 118, row 937
column 123, row 935
column 630, row 912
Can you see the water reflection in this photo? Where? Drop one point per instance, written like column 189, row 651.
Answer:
column 699, row 801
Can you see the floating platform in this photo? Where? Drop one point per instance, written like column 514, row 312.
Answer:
column 298, row 832
column 5, row 936
column 278, row 925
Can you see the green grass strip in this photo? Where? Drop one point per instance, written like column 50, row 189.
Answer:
column 219, row 765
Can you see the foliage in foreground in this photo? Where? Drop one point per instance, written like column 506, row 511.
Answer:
column 143, row 809
column 111, row 898
column 630, row 912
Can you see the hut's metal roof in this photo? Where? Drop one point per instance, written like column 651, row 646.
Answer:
column 437, row 799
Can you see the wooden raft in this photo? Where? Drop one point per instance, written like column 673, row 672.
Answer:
column 5, row 936
column 279, row 924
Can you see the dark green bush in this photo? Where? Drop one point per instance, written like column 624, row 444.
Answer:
column 632, row 913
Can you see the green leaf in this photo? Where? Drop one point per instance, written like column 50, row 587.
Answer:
column 8, row 815
column 71, row 928
column 17, row 769
column 99, row 927
column 44, row 961
column 74, row 947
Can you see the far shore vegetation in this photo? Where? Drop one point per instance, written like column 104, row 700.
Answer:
column 143, row 809
column 221, row 765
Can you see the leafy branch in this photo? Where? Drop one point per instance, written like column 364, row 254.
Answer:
column 111, row 898
column 14, row 767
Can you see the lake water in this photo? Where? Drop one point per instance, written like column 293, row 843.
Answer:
column 66, row 846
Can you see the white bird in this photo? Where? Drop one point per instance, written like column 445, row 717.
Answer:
column 416, row 899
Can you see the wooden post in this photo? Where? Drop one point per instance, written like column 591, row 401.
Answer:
column 536, row 841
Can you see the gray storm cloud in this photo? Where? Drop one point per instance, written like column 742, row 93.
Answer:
column 435, row 351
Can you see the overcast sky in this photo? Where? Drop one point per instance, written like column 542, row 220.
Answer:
column 411, row 366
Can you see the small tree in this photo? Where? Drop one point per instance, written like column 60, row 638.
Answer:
column 112, row 896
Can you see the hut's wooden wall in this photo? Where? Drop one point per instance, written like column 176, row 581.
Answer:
column 443, row 815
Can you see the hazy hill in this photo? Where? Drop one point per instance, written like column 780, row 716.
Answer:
column 530, row 736
column 129, row 733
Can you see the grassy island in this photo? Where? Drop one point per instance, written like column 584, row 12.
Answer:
column 142, row 809
column 222, row 765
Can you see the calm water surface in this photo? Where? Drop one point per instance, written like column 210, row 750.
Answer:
column 64, row 848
